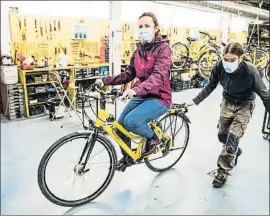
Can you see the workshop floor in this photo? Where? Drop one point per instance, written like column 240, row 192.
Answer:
column 186, row 189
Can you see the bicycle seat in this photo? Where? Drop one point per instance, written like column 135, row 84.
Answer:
column 213, row 38
column 178, row 106
column 191, row 39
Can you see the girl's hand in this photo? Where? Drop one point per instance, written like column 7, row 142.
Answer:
column 190, row 103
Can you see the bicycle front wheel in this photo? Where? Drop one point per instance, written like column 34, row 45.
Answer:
column 206, row 62
column 176, row 127
column 62, row 160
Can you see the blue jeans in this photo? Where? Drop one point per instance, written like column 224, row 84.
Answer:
column 135, row 116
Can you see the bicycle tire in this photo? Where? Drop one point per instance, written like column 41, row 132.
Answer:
column 260, row 52
column 200, row 59
column 184, row 59
column 186, row 126
column 46, row 157
column 267, row 72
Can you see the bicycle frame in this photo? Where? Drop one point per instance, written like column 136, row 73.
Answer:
column 261, row 61
column 105, row 121
column 104, row 117
column 204, row 48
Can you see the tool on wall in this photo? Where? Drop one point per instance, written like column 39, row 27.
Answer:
column 41, row 28
column 46, row 29
column 50, row 29
column 36, row 28
column 54, row 25
column 59, row 26
column 24, row 30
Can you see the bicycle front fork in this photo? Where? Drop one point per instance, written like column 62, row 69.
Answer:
column 88, row 148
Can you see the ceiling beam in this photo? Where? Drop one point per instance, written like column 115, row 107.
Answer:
column 233, row 8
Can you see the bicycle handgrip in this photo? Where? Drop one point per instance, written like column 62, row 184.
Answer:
column 94, row 87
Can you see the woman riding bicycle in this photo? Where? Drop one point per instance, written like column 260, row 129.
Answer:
column 151, row 96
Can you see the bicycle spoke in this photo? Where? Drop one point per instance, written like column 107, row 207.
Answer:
column 96, row 154
column 173, row 149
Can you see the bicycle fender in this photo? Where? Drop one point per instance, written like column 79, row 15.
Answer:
column 184, row 117
column 84, row 131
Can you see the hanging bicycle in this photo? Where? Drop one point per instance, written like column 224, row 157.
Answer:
column 205, row 58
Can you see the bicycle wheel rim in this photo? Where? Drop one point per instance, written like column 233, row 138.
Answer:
column 157, row 162
column 267, row 72
column 201, row 67
column 181, row 59
column 44, row 163
column 259, row 55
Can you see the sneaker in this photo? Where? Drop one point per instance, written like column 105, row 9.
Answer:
column 239, row 152
column 221, row 178
column 151, row 145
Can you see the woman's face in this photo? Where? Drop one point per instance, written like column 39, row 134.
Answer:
column 147, row 22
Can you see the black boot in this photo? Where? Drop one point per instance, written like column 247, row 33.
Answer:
column 221, row 178
column 124, row 163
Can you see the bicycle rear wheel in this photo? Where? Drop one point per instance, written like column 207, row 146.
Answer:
column 267, row 72
column 53, row 189
column 261, row 59
column 180, row 54
column 177, row 128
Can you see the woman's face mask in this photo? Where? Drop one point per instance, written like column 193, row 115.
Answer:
column 146, row 35
column 230, row 67
column 146, row 29
column 230, row 62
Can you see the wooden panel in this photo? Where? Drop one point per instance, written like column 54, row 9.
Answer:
column 41, row 36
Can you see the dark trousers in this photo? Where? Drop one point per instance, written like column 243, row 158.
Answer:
column 234, row 118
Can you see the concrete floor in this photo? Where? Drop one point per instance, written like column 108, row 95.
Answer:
column 186, row 189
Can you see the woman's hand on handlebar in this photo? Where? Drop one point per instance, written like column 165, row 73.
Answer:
column 100, row 82
column 129, row 92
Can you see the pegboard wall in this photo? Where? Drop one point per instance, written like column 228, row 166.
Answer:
column 42, row 37
column 49, row 37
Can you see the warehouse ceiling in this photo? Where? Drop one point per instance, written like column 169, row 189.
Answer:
column 256, row 3
column 247, row 9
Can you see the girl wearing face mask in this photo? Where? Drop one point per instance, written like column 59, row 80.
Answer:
column 151, row 94
column 240, row 81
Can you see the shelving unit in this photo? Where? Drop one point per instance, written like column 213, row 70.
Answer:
column 259, row 35
column 34, row 99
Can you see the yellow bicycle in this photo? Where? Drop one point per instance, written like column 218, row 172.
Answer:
column 206, row 57
column 81, row 166
column 259, row 57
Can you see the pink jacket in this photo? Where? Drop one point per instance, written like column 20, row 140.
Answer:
column 151, row 64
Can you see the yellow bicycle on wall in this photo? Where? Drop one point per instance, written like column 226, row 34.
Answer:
column 260, row 58
column 94, row 143
column 205, row 58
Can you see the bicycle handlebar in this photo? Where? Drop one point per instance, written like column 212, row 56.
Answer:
column 208, row 35
column 96, row 87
